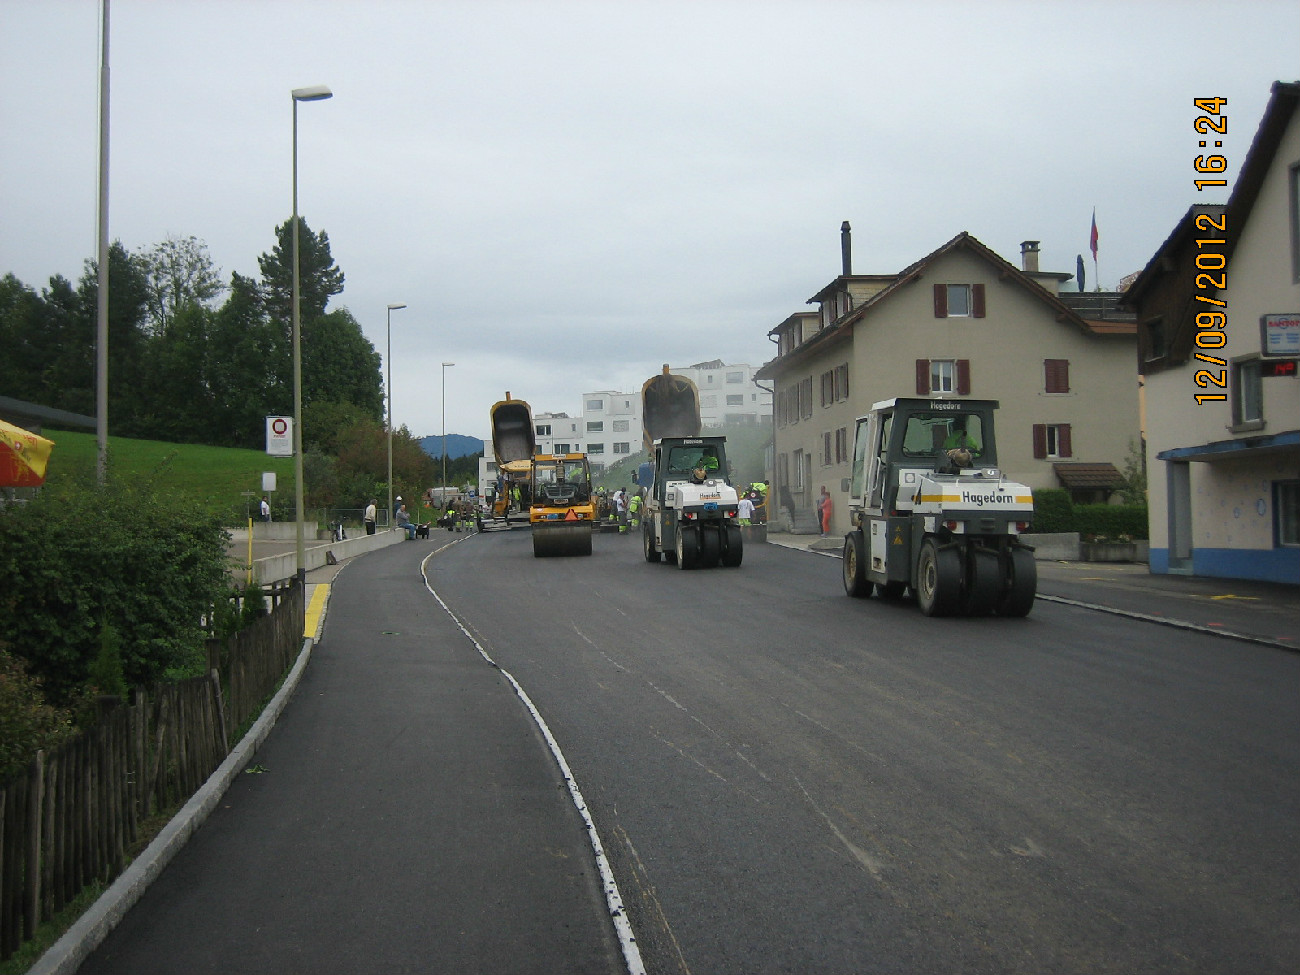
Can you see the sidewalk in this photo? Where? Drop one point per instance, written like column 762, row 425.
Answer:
column 1267, row 613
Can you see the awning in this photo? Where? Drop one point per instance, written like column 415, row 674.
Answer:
column 1238, row 449
column 1089, row 477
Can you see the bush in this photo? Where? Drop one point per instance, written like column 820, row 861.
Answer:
column 1053, row 511
column 1123, row 522
column 82, row 555
column 27, row 723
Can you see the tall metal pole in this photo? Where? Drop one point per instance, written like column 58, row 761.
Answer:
column 101, row 303
column 299, row 95
column 388, row 359
column 444, row 428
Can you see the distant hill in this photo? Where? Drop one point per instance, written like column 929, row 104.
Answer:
column 457, row 445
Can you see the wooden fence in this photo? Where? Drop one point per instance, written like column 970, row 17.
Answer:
column 70, row 819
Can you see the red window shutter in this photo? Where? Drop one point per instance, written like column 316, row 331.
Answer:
column 1056, row 375
column 963, row 377
column 940, row 301
column 1040, row 440
column 923, row 376
column 1063, row 440
column 977, row 300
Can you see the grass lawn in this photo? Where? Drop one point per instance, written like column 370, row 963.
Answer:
column 213, row 476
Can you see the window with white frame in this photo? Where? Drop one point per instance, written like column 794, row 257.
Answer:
column 735, row 377
column 595, row 405
column 1247, row 392
column 595, row 448
column 943, row 375
column 622, row 426
column 735, row 399
column 563, row 448
column 622, row 448
column 595, row 426
column 1286, row 507
column 543, row 429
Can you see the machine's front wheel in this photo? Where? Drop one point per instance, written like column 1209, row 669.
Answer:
column 648, row 545
column 688, row 547
column 854, row 565
column 734, row 548
column 1022, row 584
column 938, row 579
column 710, row 546
column 984, row 584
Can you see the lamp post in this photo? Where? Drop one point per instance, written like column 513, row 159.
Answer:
column 444, row 427
column 389, row 360
column 313, row 94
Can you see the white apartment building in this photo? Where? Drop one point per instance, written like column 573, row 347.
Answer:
column 609, row 427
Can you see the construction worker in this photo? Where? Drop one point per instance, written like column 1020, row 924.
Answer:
column 634, row 510
column 620, row 501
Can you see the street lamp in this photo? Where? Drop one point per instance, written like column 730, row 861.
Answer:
column 313, row 94
column 389, row 360
column 444, row 428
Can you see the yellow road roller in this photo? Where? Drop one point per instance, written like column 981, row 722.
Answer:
column 561, row 510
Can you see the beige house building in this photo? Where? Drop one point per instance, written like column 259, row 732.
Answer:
column 1219, row 335
column 960, row 322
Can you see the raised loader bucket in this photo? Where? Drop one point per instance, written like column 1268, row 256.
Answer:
column 561, row 538
column 670, row 407
column 513, row 436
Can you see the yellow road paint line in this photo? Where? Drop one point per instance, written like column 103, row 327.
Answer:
column 315, row 609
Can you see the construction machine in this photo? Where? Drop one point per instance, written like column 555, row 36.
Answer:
column 514, row 439
column 561, row 511
column 931, row 512
column 689, row 516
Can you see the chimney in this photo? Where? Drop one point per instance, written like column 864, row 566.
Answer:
column 846, row 248
column 1029, row 256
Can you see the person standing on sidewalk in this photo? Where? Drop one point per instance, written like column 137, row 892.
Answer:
column 824, row 511
column 369, row 517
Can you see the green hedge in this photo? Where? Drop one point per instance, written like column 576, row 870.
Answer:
column 1111, row 520
column 1055, row 512
column 81, row 561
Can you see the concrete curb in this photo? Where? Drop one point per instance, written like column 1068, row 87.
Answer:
column 277, row 568
column 65, row 956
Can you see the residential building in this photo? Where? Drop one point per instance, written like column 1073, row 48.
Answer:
column 960, row 322
column 728, row 396
column 1218, row 310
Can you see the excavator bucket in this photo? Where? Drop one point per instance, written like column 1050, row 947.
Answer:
column 670, row 407
column 513, row 435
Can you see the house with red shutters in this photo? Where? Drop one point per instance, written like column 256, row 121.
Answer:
column 960, row 322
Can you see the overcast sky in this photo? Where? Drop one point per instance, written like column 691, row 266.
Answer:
column 569, row 194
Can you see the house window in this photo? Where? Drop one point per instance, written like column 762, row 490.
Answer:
column 621, row 426
column 828, row 388
column 842, row 455
column 1056, row 375
column 543, row 429
column 736, row 399
column 1247, row 393
column 735, row 377
column 563, row 448
column 595, row 426
column 1157, row 347
column 622, row 448
column 841, row 382
column 826, row 450
column 1295, row 223
column 708, row 401
column 805, row 399
column 959, row 301
column 1052, row 441
column 1286, row 508
column 596, row 405
column 942, row 377
column 595, row 448
column 797, row 485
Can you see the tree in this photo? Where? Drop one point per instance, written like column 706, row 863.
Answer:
column 22, row 313
column 178, row 272
column 251, row 368
column 127, row 300
column 339, row 364
column 319, row 279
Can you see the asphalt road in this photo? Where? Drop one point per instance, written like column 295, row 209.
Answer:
column 784, row 779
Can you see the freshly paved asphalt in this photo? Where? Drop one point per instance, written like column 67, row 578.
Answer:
column 404, row 817
column 447, row 842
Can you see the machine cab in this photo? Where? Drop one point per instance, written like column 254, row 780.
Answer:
column 691, row 459
column 903, row 439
